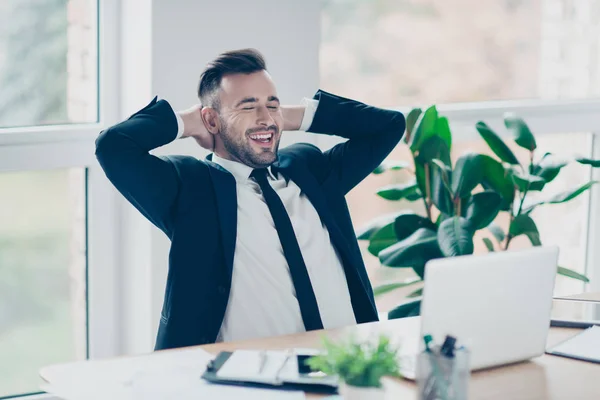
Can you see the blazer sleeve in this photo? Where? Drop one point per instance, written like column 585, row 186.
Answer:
column 148, row 182
column 372, row 134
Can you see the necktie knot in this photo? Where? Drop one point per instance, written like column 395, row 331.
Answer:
column 259, row 174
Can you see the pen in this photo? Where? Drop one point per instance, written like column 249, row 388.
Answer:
column 448, row 346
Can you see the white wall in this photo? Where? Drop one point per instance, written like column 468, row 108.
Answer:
column 182, row 37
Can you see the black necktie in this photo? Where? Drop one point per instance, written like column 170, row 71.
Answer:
column 304, row 291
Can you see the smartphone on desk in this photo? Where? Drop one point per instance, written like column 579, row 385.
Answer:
column 305, row 371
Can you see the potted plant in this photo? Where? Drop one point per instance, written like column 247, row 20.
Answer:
column 461, row 198
column 359, row 365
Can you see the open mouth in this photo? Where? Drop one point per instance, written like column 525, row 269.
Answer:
column 262, row 138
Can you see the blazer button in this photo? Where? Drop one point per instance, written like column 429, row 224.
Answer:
column 221, row 289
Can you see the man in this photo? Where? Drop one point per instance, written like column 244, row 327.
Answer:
column 262, row 242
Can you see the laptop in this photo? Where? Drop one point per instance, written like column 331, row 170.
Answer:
column 498, row 305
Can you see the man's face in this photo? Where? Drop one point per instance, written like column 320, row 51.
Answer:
column 250, row 119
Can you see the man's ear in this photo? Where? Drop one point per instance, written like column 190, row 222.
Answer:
column 210, row 117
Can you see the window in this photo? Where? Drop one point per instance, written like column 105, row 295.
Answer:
column 564, row 225
column 48, row 62
column 57, row 210
column 477, row 60
column 402, row 52
column 43, row 312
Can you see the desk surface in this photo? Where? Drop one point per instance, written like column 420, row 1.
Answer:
column 545, row 377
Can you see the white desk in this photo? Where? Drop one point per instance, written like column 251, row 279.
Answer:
column 546, row 377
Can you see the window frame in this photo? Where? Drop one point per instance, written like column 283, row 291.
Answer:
column 50, row 147
column 544, row 118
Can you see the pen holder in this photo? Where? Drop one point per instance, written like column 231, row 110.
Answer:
column 443, row 378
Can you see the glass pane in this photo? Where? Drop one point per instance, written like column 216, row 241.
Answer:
column 48, row 62
column 43, row 317
column 402, row 53
column 564, row 225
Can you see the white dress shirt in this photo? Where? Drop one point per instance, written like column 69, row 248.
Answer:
column 262, row 300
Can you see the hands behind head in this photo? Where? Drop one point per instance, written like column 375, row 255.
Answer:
column 194, row 127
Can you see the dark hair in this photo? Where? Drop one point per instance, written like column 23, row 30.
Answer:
column 244, row 61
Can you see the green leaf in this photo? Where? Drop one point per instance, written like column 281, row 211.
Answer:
column 434, row 148
column 482, row 208
column 524, row 225
column 411, row 119
column 409, row 191
column 572, row 274
column 568, row 195
column 445, row 172
column 549, row 167
column 420, row 176
column 390, row 166
column 523, row 136
column 414, row 251
column 367, row 231
column 442, row 130
column 424, row 128
column 466, row 175
column 407, row 223
column 382, row 238
column 416, row 293
column 409, row 309
column 488, row 243
column 388, row 287
column 440, row 193
column 562, row 197
column 496, row 144
column 441, row 218
column 495, row 177
column 526, row 182
column 588, row 161
column 497, row 232
column 455, row 237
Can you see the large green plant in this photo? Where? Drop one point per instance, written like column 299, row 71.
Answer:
column 461, row 198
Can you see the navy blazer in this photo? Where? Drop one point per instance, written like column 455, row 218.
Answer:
column 194, row 203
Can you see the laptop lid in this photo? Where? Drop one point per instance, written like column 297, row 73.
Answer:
column 498, row 304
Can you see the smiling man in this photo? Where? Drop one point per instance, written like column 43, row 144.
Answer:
column 262, row 243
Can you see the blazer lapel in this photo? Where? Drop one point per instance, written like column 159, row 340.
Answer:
column 225, row 191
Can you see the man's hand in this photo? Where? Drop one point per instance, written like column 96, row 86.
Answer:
column 292, row 117
column 193, row 126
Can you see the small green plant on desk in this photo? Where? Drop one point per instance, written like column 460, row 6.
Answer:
column 359, row 365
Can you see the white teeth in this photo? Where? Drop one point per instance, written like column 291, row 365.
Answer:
column 260, row 137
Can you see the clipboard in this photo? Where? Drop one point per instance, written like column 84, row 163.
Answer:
column 302, row 382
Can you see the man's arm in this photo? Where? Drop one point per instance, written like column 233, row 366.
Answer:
column 372, row 132
column 148, row 182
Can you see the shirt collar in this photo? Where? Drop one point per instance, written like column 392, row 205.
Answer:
column 241, row 172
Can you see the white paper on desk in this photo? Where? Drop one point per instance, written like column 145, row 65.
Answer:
column 585, row 345
column 245, row 365
column 113, row 379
